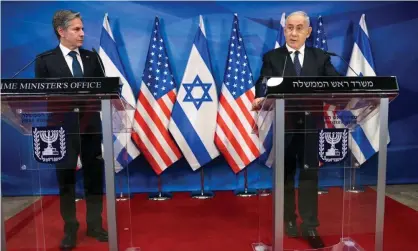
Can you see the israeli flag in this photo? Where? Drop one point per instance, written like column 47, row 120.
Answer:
column 125, row 149
column 365, row 137
column 193, row 119
column 266, row 128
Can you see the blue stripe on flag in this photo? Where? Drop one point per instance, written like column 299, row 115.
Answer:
column 124, row 157
column 190, row 135
column 201, row 45
column 358, row 134
column 363, row 42
column 109, row 46
column 268, row 145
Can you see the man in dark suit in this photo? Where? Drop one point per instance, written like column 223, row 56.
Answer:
column 69, row 60
column 300, row 148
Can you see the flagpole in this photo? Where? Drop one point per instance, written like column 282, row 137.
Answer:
column 121, row 197
column 160, row 195
column 354, row 188
column 246, row 192
column 202, row 194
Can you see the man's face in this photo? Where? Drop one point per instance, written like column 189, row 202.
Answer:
column 296, row 31
column 73, row 36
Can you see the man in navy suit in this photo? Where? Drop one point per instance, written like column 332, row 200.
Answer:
column 69, row 60
column 301, row 61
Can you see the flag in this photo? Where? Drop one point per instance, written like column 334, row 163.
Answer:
column 235, row 119
column 193, row 120
column 365, row 136
column 156, row 98
column 320, row 37
column 125, row 149
column 266, row 134
column 281, row 40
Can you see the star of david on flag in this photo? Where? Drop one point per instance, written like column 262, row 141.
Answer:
column 197, row 92
column 193, row 120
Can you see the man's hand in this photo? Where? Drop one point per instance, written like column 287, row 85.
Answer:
column 256, row 105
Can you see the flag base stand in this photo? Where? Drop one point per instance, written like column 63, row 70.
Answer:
column 355, row 189
column 123, row 197
column 160, row 196
column 260, row 247
column 322, row 190
column 246, row 193
column 202, row 195
column 79, row 197
column 264, row 192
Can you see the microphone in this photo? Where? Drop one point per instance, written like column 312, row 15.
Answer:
column 285, row 61
column 100, row 61
column 31, row 62
column 334, row 54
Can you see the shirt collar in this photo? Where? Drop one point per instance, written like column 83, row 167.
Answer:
column 65, row 50
column 301, row 50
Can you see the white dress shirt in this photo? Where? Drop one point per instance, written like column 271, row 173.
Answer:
column 69, row 59
column 300, row 56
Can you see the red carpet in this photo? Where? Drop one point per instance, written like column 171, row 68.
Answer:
column 224, row 223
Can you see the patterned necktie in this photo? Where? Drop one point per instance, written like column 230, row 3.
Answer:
column 296, row 62
column 77, row 72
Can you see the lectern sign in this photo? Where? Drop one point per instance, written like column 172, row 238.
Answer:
column 49, row 144
column 109, row 85
column 332, row 145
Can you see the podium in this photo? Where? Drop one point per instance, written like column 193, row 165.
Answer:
column 57, row 119
column 331, row 123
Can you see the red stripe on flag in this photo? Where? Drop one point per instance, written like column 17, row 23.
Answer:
column 164, row 108
column 250, row 95
column 233, row 140
column 154, row 141
column 172, row 96
column 245, row 111
column 147, row 154
column 244, row 133
column 157, row 121
column 226, row 154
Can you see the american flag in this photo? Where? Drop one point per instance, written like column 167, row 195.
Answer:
column 153, row 110
column 235, row 120
column 320, row 36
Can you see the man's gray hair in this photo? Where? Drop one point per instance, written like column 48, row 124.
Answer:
column 62, row 19
column 302, row 13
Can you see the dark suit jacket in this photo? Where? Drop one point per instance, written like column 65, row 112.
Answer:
column 315, row 63
column 53, row 65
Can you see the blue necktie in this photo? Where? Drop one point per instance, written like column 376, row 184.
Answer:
column 296, row 62
column 77, row 72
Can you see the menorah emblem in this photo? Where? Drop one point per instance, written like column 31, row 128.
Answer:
column 49, row 137
column 333, row 138
column 55, row 148
column 333, row 144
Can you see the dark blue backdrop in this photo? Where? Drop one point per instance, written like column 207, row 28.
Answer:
column 26, row 31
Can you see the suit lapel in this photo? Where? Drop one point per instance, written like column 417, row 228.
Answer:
column 308, row 68
column 61, row 63
column 86, row 63
column 290, row 68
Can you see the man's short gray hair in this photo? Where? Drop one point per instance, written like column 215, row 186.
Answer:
column 62, row 19
column 302, row 13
